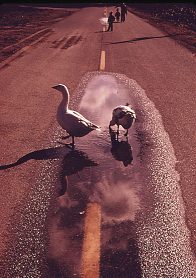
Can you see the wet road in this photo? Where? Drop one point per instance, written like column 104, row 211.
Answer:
column 134, row 182
column 126, row 194
column 139, row 219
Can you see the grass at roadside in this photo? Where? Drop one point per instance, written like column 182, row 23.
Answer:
column 172, row 18
column 17, row 23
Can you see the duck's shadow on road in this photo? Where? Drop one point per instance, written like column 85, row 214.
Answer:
column 75, row 158
column 71, row 162
column 44, row 154
column 121, row 151
column 74, row 161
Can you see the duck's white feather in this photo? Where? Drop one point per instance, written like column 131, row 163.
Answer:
column 73, row 122
column 123, row 115
column 122, row 110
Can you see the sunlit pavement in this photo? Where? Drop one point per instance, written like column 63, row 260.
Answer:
column 108, row 208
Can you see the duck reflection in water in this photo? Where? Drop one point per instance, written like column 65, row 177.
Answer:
column 74, row 162
column 121, row 150
column 66, row 223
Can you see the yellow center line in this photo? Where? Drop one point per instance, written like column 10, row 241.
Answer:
column 90, row 262
column 91, row 244
column 102, row 60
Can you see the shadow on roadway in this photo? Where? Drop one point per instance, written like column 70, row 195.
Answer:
column 100, row 31
column 72, row 162
column 146, row 38
column 44, row 154
column 75, row 158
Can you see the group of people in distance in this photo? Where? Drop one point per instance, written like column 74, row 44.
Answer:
column 117, row 16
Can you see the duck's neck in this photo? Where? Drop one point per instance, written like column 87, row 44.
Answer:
column 65, row 102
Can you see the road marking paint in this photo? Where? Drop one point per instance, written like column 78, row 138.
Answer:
column 91, row 244
column 102, row 60
column 92, row 227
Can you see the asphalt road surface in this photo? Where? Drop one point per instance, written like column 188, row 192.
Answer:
column 107, row 209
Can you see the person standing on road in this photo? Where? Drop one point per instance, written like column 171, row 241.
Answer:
column 117, row 15
column 111, row 19
column 123, row 12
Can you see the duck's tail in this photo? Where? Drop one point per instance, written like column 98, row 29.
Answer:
column 96, row 127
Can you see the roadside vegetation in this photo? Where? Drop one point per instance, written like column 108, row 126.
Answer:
column 18, row 22
column 172, row 18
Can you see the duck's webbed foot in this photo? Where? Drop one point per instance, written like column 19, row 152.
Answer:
column 69, row 145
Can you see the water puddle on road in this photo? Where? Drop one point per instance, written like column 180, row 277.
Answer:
column 134, row 183
column 101, row 171
column 143, row 233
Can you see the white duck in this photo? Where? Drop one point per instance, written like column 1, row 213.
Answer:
column 123, row 115
column 73, row 122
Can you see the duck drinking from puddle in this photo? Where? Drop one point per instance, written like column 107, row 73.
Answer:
column 123, row 115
